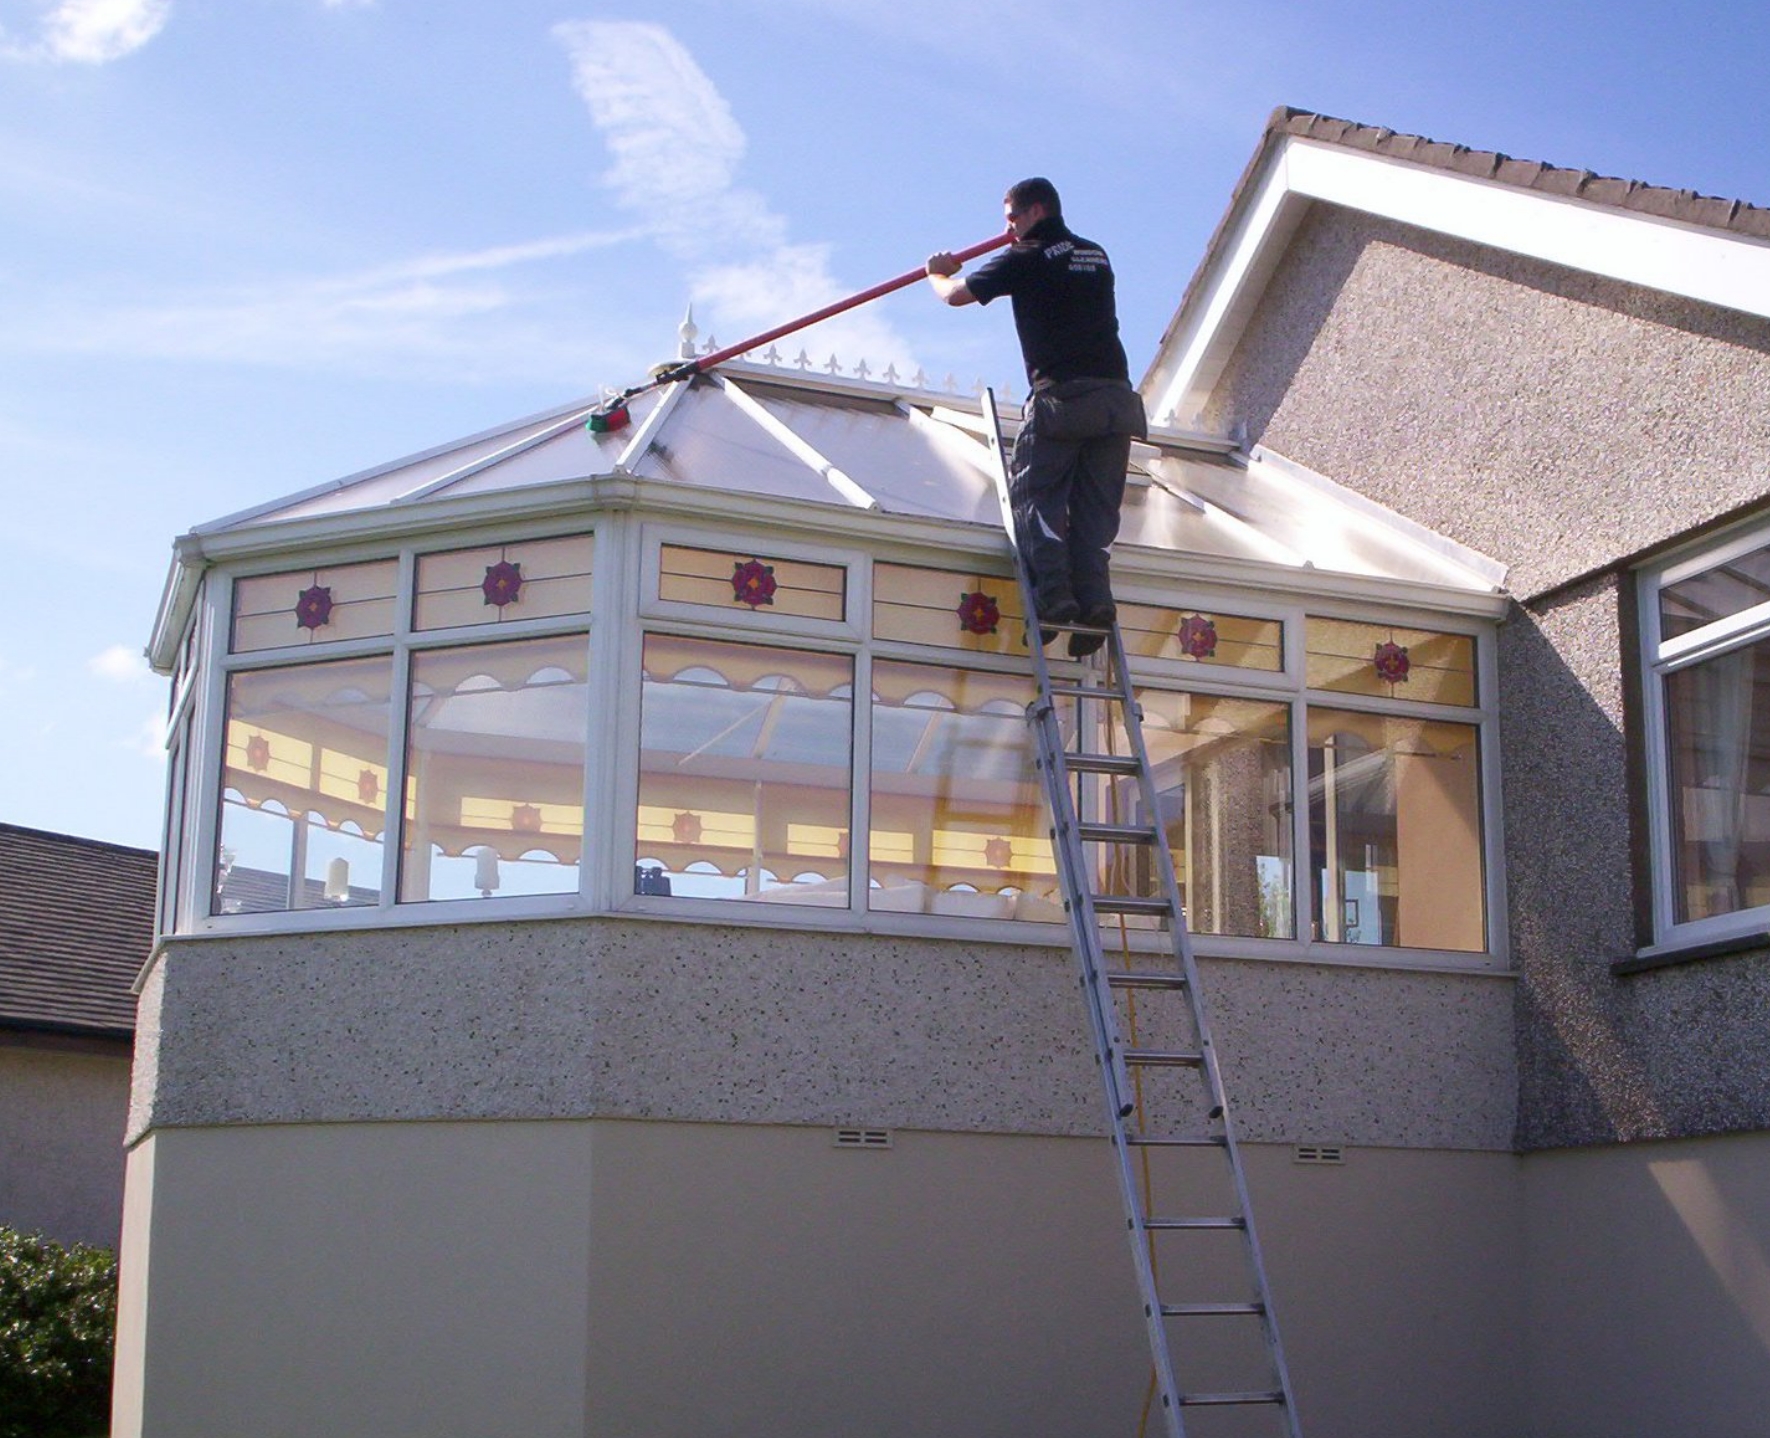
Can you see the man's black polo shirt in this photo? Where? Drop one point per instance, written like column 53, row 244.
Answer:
column 1064, row 311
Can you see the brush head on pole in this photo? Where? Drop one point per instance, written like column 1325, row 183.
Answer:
column 609, row 419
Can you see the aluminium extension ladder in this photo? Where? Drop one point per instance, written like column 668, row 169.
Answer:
column 1164, row 1097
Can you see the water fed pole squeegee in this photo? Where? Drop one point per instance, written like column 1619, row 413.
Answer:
column 613, row 415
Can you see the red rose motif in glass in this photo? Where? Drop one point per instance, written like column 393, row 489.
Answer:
column 258, row 753
column 503, row 582
column 314, row 607
column 1198, row 636
column 685, row 828
column 1392, row 663
column 979, row 613
column 525, row 819
column 998, row 853
column 752, row 583
column 368, row 786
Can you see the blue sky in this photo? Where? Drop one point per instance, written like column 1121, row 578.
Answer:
column 250, row 245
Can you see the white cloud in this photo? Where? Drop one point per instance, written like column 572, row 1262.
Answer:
column 450, row 314
column 90, row 32
column 120, row 664
column 676, row 150
column 149, row 739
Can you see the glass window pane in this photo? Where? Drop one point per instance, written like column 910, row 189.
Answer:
column 1387, row 662
column 314, row 606
column 744, row 788
column 1718, row 732
column 1222, row 771
column 1395, row 831
column 304, row 787
column 727, row 579
column 1193, row 636
column 1729, row 588
column 957, row 609
column 958, row 817
column 495, row 770
column 530, row 579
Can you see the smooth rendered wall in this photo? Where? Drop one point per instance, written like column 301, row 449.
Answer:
column 1649, row 1289
column 618, row 1279
column 61, row 1142
column 1562, row 424
column 394, row 1280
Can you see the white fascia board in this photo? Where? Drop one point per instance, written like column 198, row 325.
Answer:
column 1713, row 266
column 1194, row 354
column 1691, row 261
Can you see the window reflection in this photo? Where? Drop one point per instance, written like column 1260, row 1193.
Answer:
column 303, row 787
column 958, row 818
column 1222, row 770
column 744, row 789
column 1718, row 733
column 1395, row 831
column 495, row 770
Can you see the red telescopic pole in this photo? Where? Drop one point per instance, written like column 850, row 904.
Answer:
column 613, row 415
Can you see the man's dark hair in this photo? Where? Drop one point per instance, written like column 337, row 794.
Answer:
column 1036, row 191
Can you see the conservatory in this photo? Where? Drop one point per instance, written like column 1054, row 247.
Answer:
column 759, row 659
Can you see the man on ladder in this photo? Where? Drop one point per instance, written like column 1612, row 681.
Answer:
column 1067, row 478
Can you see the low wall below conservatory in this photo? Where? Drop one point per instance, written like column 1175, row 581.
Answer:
column 1649, row 1289
column 619, row 1018
column 599, row 1278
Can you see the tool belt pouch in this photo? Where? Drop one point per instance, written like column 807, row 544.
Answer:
column 1088, row 409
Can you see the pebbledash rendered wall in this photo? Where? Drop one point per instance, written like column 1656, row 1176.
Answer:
column 1569, row 425
column 577, row 1176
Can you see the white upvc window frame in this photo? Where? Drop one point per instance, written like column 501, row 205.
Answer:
column 1661, row 657
column 625, row 606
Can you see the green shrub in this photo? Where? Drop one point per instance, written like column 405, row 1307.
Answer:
column 58, row 1307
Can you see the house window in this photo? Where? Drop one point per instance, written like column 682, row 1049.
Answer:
column 1706, row 629
column 1222, row 769
column 486, row 791
column 1395, row 848
column 958, row 817
column 744, row 772
column 495, row 770
column 304, row 784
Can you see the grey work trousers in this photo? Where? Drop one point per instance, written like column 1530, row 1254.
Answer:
column 1066, row 482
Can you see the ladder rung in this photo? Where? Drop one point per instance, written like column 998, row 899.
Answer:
column 1145, row 979
column 1163, row 1058
column 1117, row 833
column 1131, row 904
column 1102, row 763
column 1211, row 1310
column 1176, row 1225
column 1227, row 1400
column 1082, row 691
column 1182, row 1140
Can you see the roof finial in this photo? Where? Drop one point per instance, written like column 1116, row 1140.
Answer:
column 688, row 334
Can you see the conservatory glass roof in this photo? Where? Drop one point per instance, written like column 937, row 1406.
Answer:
column 884, row 448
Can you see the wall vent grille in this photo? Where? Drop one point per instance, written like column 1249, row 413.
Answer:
column 863, row 1138
column 1318, row 1153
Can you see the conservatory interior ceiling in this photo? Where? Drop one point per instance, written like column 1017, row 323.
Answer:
column 858, row 444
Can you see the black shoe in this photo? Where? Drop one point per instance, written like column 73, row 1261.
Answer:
column 1101, row 617
column 1058, row 611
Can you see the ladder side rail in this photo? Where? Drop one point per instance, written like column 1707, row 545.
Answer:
column 1072, row 865
column 1181, row 934
column 1078, row 892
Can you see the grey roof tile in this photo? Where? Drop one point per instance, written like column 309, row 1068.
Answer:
column 76, row 925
